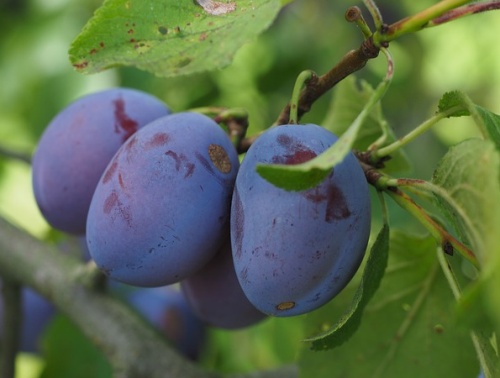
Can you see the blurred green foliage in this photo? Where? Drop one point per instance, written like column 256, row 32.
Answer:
column 37, row 81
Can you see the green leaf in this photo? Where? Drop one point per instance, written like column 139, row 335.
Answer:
column 454, row 100
column 408, row 328
column 309, row 174
column 469, row 173
column 167, row 37
column 68, row 353
column 459, row 104
column 373, row 272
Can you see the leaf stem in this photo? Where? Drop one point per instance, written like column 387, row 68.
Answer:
column 447, row 241
column 416, row 22
column 375, row 13
column 382, row 152
column 353, row 14
column 302, row 81
column 463, row 11
column 425, row 187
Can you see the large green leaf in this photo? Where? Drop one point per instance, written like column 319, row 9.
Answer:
column 408, row 328
column 373, row 272
column 167, row 37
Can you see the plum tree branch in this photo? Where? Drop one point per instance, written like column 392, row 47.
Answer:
column 351, row 62
column 133, row 347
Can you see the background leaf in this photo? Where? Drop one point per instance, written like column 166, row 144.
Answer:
column 167, row 37
column 407, row 329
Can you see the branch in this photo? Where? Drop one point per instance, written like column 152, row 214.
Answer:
column 133, row 347
column 353, row 61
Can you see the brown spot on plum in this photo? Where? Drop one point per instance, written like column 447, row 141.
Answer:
column 158, row 140
column 123, row 123
column 110, row 202
column 93, row 51
column 101, row 44
column 120, row 181
column 219, row 158
column 285, row 306
column 130, row 31
column 239, row 222
column 162, row 30
column 110, row 171
column 203, row 36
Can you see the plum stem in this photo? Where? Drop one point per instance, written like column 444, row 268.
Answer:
column 304, row 79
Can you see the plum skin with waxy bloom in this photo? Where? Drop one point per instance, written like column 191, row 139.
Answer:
column 294, row 251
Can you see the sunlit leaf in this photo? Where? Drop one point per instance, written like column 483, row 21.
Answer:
column 167, row 37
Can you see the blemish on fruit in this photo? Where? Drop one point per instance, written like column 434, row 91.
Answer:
column 202, row 37
column 181, row 161
column 109, row 172
column 219, row 158
column 285, row 306
column 159, row 139
column 123, row 123
column 162, row 30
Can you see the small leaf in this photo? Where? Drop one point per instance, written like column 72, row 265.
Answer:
column 167, row 37
column 486, row 121
column 454, row 99
column 372, row 275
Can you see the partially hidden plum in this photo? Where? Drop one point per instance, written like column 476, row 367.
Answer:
column 161, row 209
column 216, row 296
column 167, row 309
column 78, row 144
column 294, row 251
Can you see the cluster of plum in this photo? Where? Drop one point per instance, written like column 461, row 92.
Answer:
column 162, row 199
